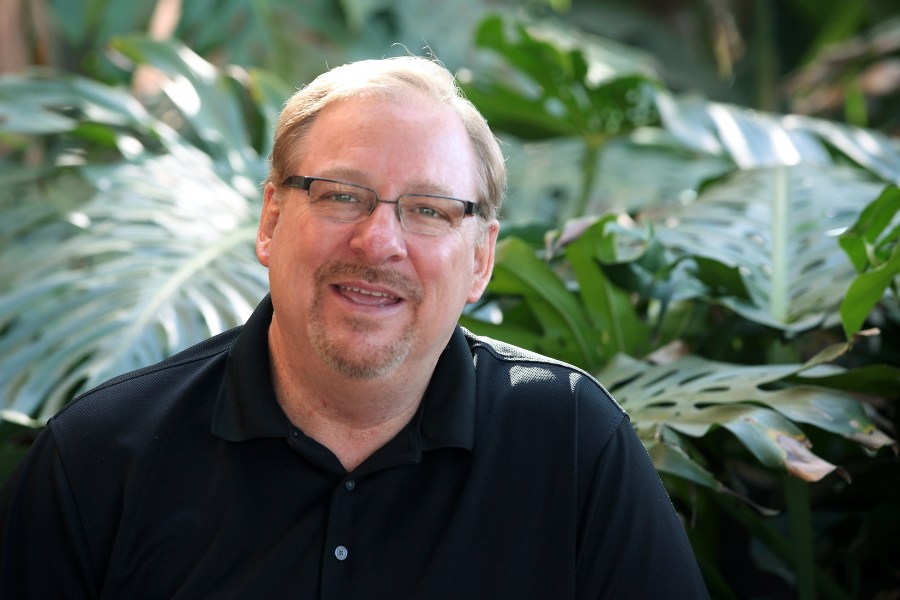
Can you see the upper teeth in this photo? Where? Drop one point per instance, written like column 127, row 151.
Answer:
column 367, row 292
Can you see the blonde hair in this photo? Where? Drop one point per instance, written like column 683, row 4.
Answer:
column 389, row 77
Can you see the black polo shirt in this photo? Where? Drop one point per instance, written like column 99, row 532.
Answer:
column 519, row 477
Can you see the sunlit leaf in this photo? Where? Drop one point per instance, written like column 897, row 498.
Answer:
column 139, row 244
column 34, row 104
column 152, row 275
column 779, row 227
column 555, row 91
column 870, row 149
column 752, row 139
column 200, row 91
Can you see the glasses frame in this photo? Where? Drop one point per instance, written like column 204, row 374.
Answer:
column 304, row 182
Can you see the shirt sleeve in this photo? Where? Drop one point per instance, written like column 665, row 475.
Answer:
column 43, row 546
column 632, row 543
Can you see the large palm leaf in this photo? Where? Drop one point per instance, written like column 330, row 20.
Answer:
column 779, row 227
column 156, row 251
column 693, row 395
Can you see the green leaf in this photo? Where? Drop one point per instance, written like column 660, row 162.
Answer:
column 670, row 458
column 165, row 260
column 692, row 395
column 872, row 150
column 508, row 331
column 607, row 306
column 33, row 104
column 778, row 227
column 553, row 90
column 269, row 93
column 136, row 255
column 673, row 460
column 193, row 84
column 863, row 242
column 874, row 255
column 565, row 328
column 880, row 379
column 831, row 411
column 751, row 139
column 866, row 291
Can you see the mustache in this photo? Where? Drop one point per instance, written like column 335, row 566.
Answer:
column 385, row 276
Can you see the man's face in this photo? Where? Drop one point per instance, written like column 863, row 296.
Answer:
column 369, row 297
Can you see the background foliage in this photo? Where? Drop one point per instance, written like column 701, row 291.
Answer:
column 703, row 212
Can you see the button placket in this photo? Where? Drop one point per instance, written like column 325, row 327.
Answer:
column 340, row 537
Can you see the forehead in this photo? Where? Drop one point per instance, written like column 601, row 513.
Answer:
column 400, row 143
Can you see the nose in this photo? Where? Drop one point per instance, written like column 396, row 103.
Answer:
column 379, row 238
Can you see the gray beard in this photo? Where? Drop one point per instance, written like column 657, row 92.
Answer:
column 363, row 361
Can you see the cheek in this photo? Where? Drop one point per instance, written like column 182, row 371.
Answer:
column 297, row 239
column 293, row 255
column 449, row 274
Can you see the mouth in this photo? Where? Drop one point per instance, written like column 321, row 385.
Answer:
column 367, row 287
column 367, row 296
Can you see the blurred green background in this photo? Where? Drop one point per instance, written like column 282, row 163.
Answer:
column 703, row 212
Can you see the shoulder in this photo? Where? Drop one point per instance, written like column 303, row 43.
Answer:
column 493, row 357
column 142, row 397
column 542, row 385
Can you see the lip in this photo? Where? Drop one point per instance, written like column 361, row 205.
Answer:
column 367, row 296
column 370, row 289
column 366, row 289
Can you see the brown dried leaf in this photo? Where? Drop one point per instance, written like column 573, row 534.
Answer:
column 800, row 461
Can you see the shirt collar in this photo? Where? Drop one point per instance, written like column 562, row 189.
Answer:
column 246, row 407
column 448, row 411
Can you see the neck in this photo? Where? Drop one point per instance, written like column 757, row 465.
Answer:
column 350, row 417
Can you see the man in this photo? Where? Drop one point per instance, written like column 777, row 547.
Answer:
column 351, row 441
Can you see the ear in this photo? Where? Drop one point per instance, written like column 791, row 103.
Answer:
column 484, row 262
column 271, row 211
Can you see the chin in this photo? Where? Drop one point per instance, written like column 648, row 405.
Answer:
column 358, row 357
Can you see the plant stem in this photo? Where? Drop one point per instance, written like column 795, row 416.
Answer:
column 766, row 56
column 768, row 535
column 796, row 494
column 588, row 175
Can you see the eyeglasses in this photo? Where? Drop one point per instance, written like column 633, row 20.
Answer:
column 427, row 214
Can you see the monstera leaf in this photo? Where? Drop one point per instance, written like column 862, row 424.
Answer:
column 693, row 395
column 147, row 274
column 751, row 139
column 138, row 239
column 779, row 226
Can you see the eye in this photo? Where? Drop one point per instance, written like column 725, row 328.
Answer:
column 339, row 197
column 428, row 212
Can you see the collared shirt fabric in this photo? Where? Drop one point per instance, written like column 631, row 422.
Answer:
column 518, row 477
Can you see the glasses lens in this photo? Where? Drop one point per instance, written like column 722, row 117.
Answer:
column 340, row 201
column 431, row 215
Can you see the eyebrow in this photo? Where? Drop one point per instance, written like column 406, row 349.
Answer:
column 358, row 177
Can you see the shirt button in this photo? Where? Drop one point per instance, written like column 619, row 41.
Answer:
column 350, row 485
column 340, row 553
